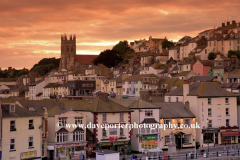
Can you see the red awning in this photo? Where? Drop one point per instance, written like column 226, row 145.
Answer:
column 230, row 134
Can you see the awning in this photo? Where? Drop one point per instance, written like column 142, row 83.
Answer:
column 230, row 134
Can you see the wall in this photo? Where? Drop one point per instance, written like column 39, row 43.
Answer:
column 21, row 136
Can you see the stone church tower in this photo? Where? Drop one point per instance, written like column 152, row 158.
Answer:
column 68, row 52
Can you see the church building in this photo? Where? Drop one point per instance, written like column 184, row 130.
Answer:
column 69, row 59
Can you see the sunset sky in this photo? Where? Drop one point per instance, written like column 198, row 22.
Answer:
column 30, row 30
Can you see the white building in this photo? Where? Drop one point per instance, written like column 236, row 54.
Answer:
column 215, row 110
column 35, row 89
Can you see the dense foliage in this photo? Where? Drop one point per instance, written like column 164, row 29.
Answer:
column 167, row 44
column 110, row 58
column 212, row 56
column 122, row 47
column 233, row 53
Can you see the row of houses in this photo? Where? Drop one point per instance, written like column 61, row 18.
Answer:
column 38, row 128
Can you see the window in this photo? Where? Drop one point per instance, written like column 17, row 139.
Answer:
column 205, row 51
column 229, row 43
column 187, row 122
column 113, row 131
column 31, row 124
column 209, row 101
column 176, row 99
column 186, row 139
column 121, row 116
column 12, row 108
column 12, row 144
column 62, row 137
column 30, row 142
column 121, row 131
column 198, row 68
column 167, row 140
column 209, row 112
column 227, row 122
column 129, row 82
column 104, row 132
column 78, row 136
column 123, row 89
column 123, row 82
column 62, row 121
column 169, row 99
column 12, row 126
column 148, row 130
column 209, row 123
column 209, row 43
column 104, row 118
column 168, row 123
column 148, row 112
column 142, row 130
column 222, row 48
column 78, row 121
column 227, row 111
column 226, row 101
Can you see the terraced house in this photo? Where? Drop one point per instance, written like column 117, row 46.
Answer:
column 21, row 133
column 215, row 110
column 132, row 85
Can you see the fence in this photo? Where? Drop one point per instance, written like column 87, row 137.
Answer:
column 234, row 154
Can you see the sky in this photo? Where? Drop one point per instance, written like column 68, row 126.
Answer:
column 31, row 30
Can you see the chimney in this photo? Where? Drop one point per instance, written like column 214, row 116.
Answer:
column 104, row 96
column 223, row 24
column 185, row 90
column 228, row 23
column 233, row 22
column 187, row 105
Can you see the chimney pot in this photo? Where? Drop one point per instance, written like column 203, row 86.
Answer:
column 223, row 24
column 233, row 22
column 228, row 23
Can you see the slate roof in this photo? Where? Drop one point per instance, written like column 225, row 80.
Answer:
column 50, row 85
column 140, row 104
column 96, row 105
column 234, row 74
column 171, row 82
column 202, row 89
column 62, row 130
column 139, row 77
column 78, row 130
column 203, row 78
column 174, row 110
column 149, row 120
column 184, row 73
column 34, row 84
column 19, row 112
column 85, row 58
column 39, row 104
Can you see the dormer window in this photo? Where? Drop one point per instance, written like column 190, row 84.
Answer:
column 12, row 108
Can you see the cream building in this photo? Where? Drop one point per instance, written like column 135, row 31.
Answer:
column 21, row 133
column 215, row 110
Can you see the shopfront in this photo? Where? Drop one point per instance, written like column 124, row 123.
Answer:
column 64, row 149
column 149, row 142
column 116, row 146
column 229, row 135
column 210, row 136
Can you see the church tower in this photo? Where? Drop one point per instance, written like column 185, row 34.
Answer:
column 68, row 52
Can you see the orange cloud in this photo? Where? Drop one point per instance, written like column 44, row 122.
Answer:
column 31, row 30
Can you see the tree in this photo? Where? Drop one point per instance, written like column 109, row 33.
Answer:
column 22, row 72
column 47, row 61
column 212, row 56
column 167, row 44
column 122, row 47
column 110, row 58
column 233, row 53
